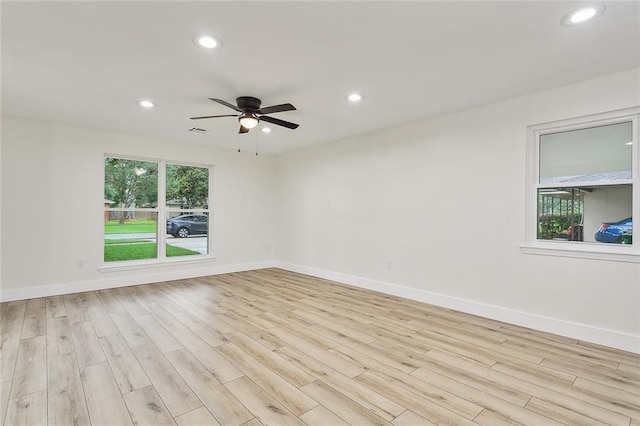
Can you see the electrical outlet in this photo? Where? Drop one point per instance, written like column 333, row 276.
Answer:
column 80, row 263
column 388, row 264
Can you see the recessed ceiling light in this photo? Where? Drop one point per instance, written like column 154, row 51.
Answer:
column 354, row 97
column 206, row 41
column 266, row 130
column 582, row 14
column 145, row 103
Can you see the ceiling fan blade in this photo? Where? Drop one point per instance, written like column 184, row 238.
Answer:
column 276, row 108
column 213, row 116
column 227, row 104
column 278, row 122
column 243, row 129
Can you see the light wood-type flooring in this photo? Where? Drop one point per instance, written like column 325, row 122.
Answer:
column 275, row 347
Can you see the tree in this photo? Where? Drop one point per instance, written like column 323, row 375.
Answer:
column 188, row 184
column 130, row 183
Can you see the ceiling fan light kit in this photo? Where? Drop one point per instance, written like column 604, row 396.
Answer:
column 251, row 113
column 248, row 120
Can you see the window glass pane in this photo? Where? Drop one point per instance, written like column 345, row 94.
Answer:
column 599, row 214
column 187, row 234
column 187, row 187
column 130, row 235
column 587, row 155
column 130, row 183
column 560, row 214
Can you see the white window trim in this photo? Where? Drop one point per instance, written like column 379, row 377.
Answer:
column 583, row 250
column 161, row 212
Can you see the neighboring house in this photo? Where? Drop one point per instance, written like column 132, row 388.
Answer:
column 107, row 204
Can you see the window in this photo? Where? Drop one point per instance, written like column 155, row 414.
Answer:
column 141, row 194
column 583, row 187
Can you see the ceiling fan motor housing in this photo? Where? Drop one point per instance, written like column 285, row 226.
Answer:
column 248, row 103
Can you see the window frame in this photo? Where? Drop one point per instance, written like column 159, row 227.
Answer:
column 162, row 212
column 586, row 250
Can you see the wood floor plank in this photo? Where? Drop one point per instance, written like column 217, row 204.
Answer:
column 102, row 322
column 13, row 316
column 200, row 416
column 432, row 408
column 171, row 387
column 5, row 391
column 104, row 401
column 218, row 365
column 86, row 344
column 253, row 422
column 75, row 308
column 164, row 317
column 66, row 402
column 28, row 410
column 224, row 407
column 512, row 409
column 463, row 383
column 534, row 372
column 131, row 305
column 157, row 333
column 59, row 339
column 336, row 362
column 409, row 418
column 132, row 333
column 562, row 397
column 630, row 369
column 292, row 374
column 265, row 407
column 320, row 416
column 55, row 307
column 31, row 367
column 35, row 319
column 560, row 413
column 607, row 377
column 9, row 344
column 126, row 369
column 109, row 301
column 284, row 392
column 364, row 396
column 342, row 406
column 490, row 418
column 619, row 400
column 372, row 359
column 147, row 408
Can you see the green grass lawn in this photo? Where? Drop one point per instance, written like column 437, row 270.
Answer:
column 130, row 227
column 139, row 250
column 127, row 241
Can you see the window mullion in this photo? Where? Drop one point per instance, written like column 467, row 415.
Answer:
column 162, row 210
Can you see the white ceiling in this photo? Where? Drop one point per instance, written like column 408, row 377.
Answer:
column 88, row 63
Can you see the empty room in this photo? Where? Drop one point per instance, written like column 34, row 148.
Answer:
column 320, row 213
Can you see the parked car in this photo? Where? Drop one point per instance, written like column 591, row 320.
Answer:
column 615, row 232
column 188, row 224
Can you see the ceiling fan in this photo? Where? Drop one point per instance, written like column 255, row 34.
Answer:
column 251, row 113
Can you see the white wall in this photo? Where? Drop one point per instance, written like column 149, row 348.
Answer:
column 52, row 198
column 443, row 201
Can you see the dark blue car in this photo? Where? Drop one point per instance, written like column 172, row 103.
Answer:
column 188, row 224
column 615, row 232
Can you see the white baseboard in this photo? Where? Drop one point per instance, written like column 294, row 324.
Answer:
column 587, row 333
column 125, row 281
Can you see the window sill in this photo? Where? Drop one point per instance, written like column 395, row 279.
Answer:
column 618, row 253
column 153, row 263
